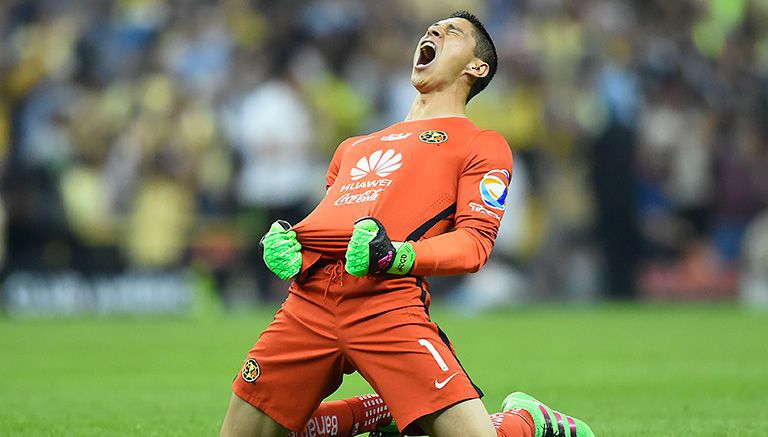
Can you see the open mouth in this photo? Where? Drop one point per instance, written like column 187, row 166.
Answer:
column 427, row 53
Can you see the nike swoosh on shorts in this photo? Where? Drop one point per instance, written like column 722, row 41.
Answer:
column 441, row 384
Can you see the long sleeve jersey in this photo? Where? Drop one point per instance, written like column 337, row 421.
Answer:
column 440, row 183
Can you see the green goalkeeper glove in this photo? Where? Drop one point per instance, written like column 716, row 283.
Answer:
column 282, row 251
column 371, row 251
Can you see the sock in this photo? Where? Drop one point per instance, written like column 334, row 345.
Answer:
column 513, row 423
column 347, row 417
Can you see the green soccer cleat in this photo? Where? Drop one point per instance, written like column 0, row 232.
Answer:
column 389, row 430
column 548, row 422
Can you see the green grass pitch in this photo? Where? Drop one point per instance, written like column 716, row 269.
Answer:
column 626, row 370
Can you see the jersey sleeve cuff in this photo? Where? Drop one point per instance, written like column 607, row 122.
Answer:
column 424, row 264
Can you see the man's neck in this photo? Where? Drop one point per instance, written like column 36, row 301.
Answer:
column 443, row 103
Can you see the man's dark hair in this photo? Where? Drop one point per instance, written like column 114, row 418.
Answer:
column 484, row 49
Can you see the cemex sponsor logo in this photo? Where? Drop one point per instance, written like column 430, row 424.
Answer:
column 483, row 210
column 396, row 137
column 379, row 162
column 351, row 199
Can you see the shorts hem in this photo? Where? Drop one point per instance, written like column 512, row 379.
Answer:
column 277, row 417
column 412, row 426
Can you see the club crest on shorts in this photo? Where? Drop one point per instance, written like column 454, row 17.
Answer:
column 433, row 136
column 251, row 370
column 493, row 188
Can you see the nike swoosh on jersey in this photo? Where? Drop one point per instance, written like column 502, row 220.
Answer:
column 441, row 384
column 362, row 139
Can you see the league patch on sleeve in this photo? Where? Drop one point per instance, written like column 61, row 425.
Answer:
column 493, row 188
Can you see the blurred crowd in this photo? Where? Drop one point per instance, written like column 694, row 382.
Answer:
column 161, row 134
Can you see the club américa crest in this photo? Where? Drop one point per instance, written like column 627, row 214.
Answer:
column 433, row 136
column 251, row 370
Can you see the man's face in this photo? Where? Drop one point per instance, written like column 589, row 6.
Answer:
column 444, row 53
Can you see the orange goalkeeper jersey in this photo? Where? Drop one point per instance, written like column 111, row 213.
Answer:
column 441, row 183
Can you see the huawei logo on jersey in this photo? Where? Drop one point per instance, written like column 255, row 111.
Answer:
column 381, row 163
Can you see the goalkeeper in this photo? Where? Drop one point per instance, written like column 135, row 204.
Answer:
column 422, row 197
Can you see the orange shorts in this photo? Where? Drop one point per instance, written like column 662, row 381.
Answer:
column 326, row 329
